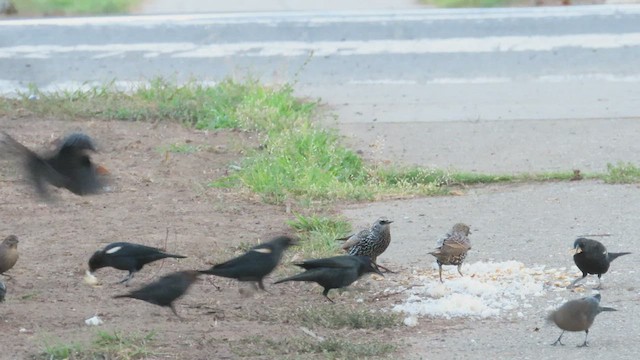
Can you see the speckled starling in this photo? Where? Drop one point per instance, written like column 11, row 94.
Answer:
column 592, row 257
column 8, row 253
column 452, row 248
column 256, row 263
column 577, row 315
column 127, row 256
column 371, row 242
column 166, row 290
column 334, row 272
column 68, row 166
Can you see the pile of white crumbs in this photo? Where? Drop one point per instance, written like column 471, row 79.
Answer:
column 487, row 289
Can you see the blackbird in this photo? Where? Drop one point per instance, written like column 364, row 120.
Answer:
column 127, row 256
column 334, row 272
column 256, row 263
column 592, row 257
column 69, row 166
column 165, row 290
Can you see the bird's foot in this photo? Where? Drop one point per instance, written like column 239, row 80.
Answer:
column 557, row 342
column 214, row 284
column 584, row 344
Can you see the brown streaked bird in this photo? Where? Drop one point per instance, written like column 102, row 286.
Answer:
column 166, row 290
column 371, row 242
column 577, row 315
column 452, row 248
column 591, row 257
column 69, row 166
column 8, row 253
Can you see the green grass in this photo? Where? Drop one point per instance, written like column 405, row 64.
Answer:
column 338, row 317
column 466, row 3
column 180, row 148
column 622, row 173
column 318, row 234
column 297, row 160
column 298, row 347
column 106, row 345
column 74, row 7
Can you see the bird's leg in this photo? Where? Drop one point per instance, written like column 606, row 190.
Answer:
column 214, row 284
column 576, row 281
column 261, row 286
column 459, row 269
column 326, row 294
column 7, row 276
column 175, row 312
column 558, row 341
column 599, row 283
column 385, row 269
column 440, row 272
column 585, row 339
column 126, row 279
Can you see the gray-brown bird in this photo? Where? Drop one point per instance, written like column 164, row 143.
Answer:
column 577, row 315
column 591, row 257
column 69, row 166
column 371, row 242
column 8, row 253
column 452, row 248
column 166, row 290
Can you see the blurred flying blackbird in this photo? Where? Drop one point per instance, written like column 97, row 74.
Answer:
column 8, row 253
column 165, row 290
column 592, row 257
column 127, row 256
column 452, row 248
column 577, row 315
column 371, row 242
column 3, row 291
column 334, row 272
column 256, row 263
column 69, row 166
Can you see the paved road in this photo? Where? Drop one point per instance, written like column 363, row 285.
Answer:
column 397, row 79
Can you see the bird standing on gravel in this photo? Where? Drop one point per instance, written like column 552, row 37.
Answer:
column 592, row 257
column 577, row 315
column 370, row 242
column 8, row 253
column 452, row 248
column 256, row 263
column 126, row 256
column 334, row 272
column 3, row 291
column 68, row 166
column 166, row 290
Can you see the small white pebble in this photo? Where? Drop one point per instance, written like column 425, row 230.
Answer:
column 23, row 330
column 411, row 321
column 94, row 321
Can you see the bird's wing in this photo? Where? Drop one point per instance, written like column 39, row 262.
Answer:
column 129, row 249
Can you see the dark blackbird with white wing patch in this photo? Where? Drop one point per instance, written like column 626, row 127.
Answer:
column 69, row 166
column 577, row 315
column 256, row 263
column 127, row 256
column 452, row 248
column 166, row 290
column 334, row 272
column 592, row 257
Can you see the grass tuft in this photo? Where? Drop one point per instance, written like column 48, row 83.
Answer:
column 74, row 7
column 622, row 173
column 318, row 234
column 106, row 345
column 336, row 317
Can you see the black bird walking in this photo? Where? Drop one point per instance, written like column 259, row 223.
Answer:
column 592, row 257
column 69, row 166
column 577, row 315
column 165, row 290
column 371, row 242
column 334, row 272
column 127, row 256
column 255, row 264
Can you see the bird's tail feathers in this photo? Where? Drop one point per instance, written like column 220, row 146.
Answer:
column 122, row 296
column 305, row 276
column 175, row 256
column 613, row 256
column 605, row 308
